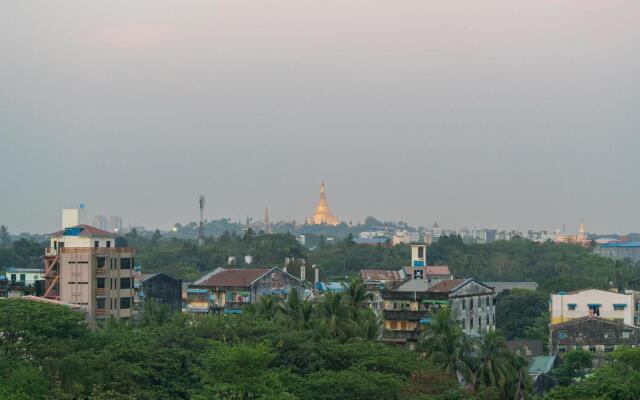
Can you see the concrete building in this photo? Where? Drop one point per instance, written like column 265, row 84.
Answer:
column 620, row 251
column 86, row 266
column 405, row 237
column 472, row 303
column 594, row 334
column 614, row 306
column 24, row 276
column 161, row 289
column 227, row 291
column 574, row 238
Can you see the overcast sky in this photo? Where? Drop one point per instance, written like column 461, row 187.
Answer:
column 495, row 113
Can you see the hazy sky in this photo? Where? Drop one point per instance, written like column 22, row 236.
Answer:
column 494, row 113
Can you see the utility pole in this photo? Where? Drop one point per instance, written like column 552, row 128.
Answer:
column 201, row 230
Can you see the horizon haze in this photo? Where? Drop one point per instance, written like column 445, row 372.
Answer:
column 497, row 114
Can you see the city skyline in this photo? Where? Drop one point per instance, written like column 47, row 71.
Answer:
column 465, row 113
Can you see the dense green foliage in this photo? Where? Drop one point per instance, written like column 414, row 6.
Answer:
column 479, row 363
column 46, row 352
column 618, row 379
column 574, row 366
column 554, row 266
column 522, row 314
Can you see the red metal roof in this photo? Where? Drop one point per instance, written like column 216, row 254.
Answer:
column 85, row 230
column 234, row 277
column 437, row 270
column 380, row 275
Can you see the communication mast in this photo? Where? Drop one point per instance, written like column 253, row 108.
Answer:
column 201, row 231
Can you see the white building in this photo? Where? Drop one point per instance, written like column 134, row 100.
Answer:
column 618, row 307
column 25, row 276
column 404, row 237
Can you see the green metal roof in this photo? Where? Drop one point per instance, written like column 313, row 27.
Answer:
column 541, row 364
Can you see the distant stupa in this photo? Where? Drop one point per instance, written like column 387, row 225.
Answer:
column 323, row 215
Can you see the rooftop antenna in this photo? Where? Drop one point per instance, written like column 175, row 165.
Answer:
column 201, row 231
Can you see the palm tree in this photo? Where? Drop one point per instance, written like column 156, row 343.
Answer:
column 446, row 345
column 494, row 367
column 520, row 385
column 356, row 294
column 333, row 314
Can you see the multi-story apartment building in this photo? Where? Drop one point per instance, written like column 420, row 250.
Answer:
column 87, row 266
column 614, row 306
column 620, row 251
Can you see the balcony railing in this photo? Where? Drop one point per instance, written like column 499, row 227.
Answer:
column 101, row 291
column 102, row 312
column 49, row 251
column 406, row 315
column 101, row 271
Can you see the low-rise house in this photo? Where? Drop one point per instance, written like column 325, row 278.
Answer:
column 375, row 281
column 229, row 290
column 540, row 374
column 24, row 276
column 591, row 333
column 472, row 303
column 4, row 286
column 615, row 306
column 161, row 289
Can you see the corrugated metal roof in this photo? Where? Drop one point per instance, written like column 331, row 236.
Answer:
column 446, row 286
column 542, row 364
column 381, row 275
column 635, row 243
column 82, row 230
column 234, row 277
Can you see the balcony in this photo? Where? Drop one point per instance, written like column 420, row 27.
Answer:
column 96, row 250
column 400, row 336
column 101, row 271
column 101, row 312
column 101, row 292
column 406, row 315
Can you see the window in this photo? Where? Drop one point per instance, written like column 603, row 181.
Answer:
column 102, row 262
column 125, row 263
column 562, row 335
column 562, row 349
column 487, row 302
column 619, row 307
column 403, row 325
column 125, row 283
column 471, row 303
column 471, row 323
column 395, row 305
column 23, row 278
column 626, row 335
column 96, row 244
column 464, row 303
column 108, row 243
column 125, row 302
column 594, row 309
column 100, row 303
column 479, row 322
column 417, row 274
column 394, row 324
column 571, row 307
column 100, row 283
column 464, row 324
column 608, row 348
column 592, row 349
column 55, row 244
column 487, row 319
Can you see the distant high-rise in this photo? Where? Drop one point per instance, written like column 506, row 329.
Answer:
column 323, row 214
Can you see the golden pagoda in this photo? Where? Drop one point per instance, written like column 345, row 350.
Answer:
column 323, row 215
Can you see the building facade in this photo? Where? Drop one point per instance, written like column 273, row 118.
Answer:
column 614, row 306
column 594, row 334
column 160, row 288
column 620, row 251
column 24, row 276
column 86, row 266
column 228, row 291
column 472, row 303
